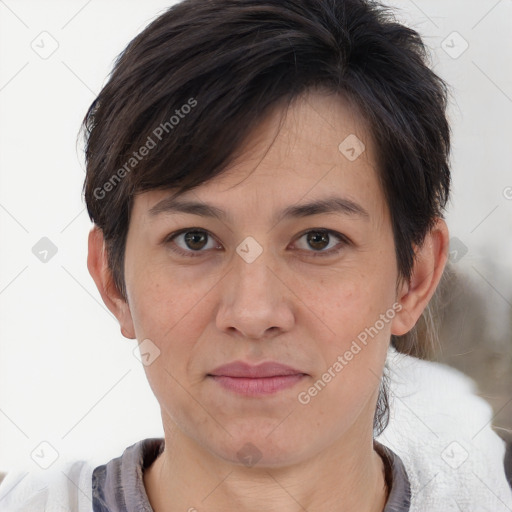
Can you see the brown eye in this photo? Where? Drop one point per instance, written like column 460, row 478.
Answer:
column 318, row 240
column 191, row 242
column 195, row 240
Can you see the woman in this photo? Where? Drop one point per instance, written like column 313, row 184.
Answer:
column 267, row 182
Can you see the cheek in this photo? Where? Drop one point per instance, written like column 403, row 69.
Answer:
column 170, row 313
column 349, row 301
column 162, row 300
column 359, row 311
column 358, row 308
column 173, row 311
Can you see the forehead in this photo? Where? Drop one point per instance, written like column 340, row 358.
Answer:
column 318, row 126
column 320, row 146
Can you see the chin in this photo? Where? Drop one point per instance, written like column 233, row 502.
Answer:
column 263, row 446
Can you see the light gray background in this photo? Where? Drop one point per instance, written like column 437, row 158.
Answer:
column 67, row 376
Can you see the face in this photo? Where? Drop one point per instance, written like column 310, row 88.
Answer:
column 311, row 291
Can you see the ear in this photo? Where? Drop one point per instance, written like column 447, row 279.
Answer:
column 430, row 261
column 97, row 264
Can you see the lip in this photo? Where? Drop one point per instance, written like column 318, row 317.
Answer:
column 267, row 369
column 263, row 379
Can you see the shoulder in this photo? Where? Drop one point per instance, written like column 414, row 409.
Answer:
column 65, row 486
column 74, row 485
column 119, row 484
column 441, row 429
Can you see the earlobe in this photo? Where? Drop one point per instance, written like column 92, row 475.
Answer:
column 429, row 263
column 97, row 263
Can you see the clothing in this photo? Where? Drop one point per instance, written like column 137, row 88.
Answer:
column 441, row 430
column 439, row 437
column 111, row 481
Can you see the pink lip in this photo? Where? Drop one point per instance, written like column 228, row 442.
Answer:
column 263, row 379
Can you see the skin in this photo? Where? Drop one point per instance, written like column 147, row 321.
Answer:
column 288, row 305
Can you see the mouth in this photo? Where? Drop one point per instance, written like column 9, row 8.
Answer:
column 263, row 379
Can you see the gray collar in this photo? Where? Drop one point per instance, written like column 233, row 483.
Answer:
column 118, row 486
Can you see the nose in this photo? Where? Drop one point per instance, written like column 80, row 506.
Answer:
column 255, row 302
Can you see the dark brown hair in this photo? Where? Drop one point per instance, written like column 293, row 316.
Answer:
column 191, row 86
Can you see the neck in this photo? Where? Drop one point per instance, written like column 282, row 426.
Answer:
column 347, row 477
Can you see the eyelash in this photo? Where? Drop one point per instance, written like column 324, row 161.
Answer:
column 194, row 254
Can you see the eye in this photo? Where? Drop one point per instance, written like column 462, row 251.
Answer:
column 320, row 239
column 190, row 242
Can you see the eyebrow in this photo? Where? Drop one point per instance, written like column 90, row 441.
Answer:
column 331, row 204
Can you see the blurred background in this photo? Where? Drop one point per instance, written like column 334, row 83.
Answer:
column 69, row 382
